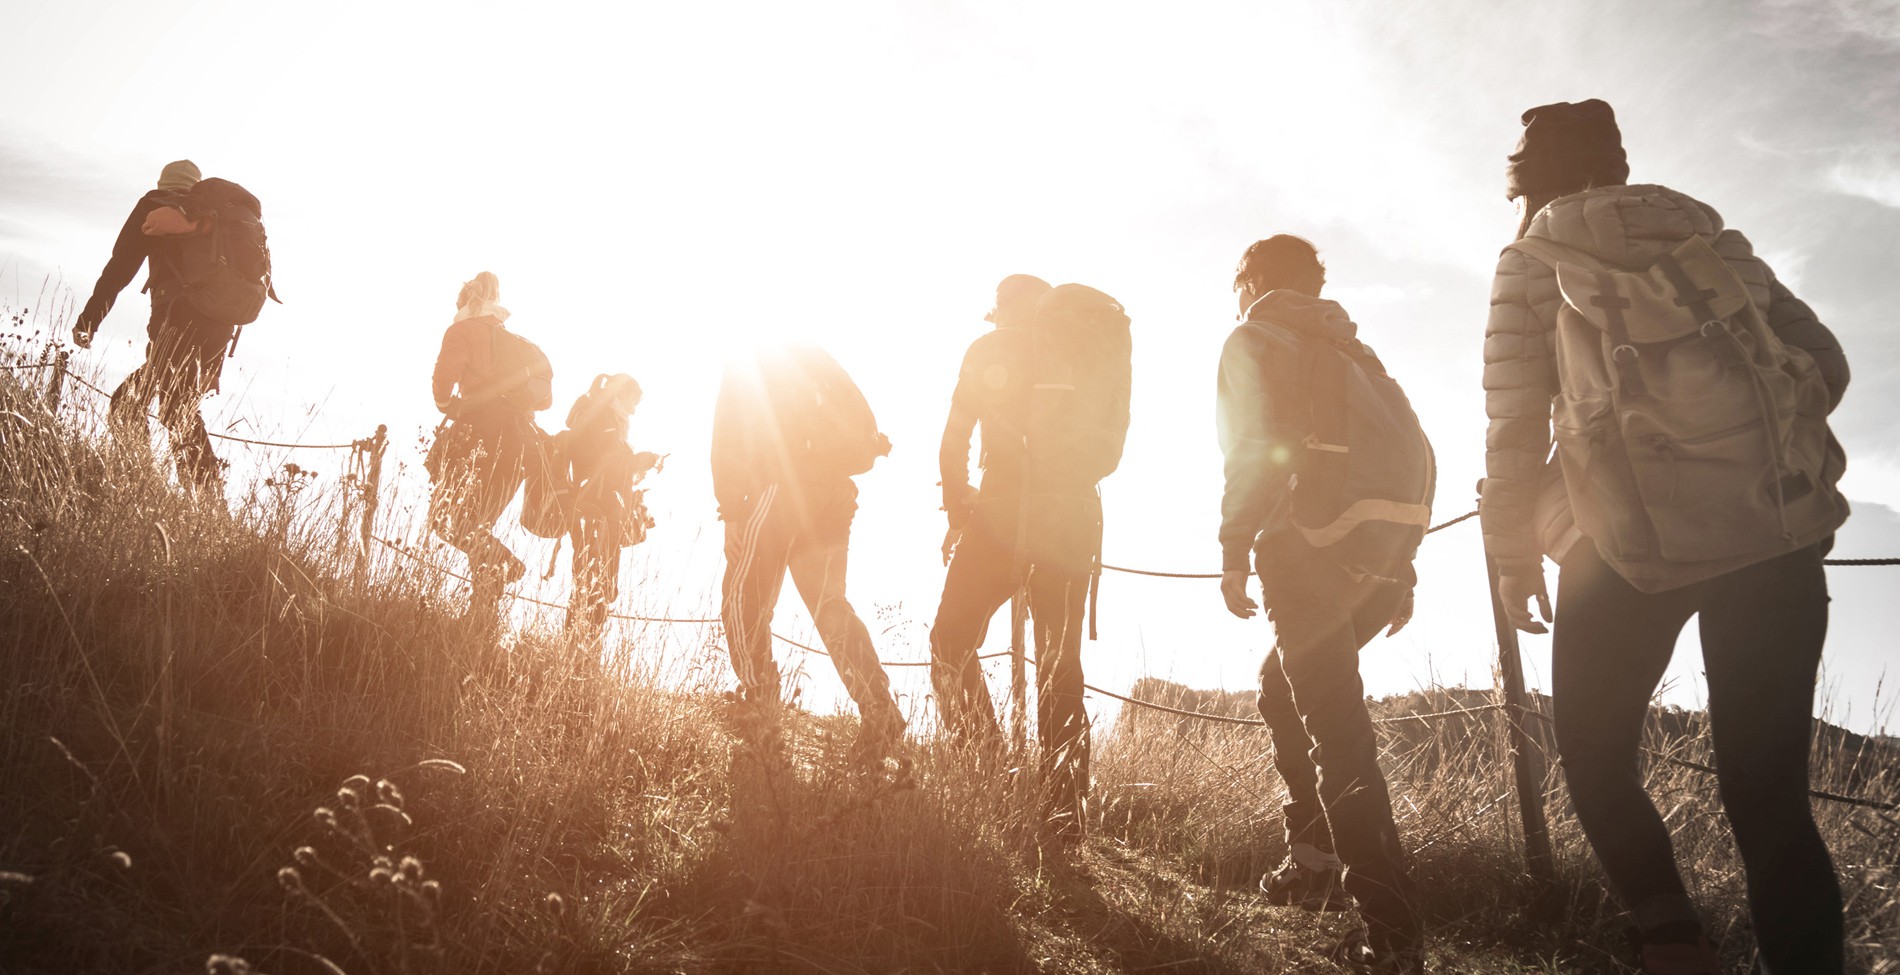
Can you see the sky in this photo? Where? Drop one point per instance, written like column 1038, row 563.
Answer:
column 658, row 183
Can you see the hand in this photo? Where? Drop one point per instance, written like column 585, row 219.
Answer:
column 1233, row 589
column 82, row 336
column 453, row 408
column 1402, row 616
column 950, row 539
column 1516, row 592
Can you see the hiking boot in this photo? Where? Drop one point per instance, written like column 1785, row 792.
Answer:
column 1381, row 956
column 1692, row 958
column 879, row 734
column 1294, row 884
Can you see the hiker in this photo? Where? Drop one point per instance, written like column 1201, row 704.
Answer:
column 1049, row 388
column 488, row 383
column 790, row 429
column 1329, row 488
column 1689, row 390
column 208, row 262
column 609, row 513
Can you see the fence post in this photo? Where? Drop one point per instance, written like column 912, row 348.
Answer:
column 1018, row 672
column 57, row 384
column 1524, row 762
column 372, row 486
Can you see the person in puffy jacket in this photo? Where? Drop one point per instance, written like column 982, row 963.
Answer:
column 477, row 461
column 1338, row 813
column 1762, row 624
column 184, row 355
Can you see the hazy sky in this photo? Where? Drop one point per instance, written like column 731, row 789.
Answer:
column 654, row 183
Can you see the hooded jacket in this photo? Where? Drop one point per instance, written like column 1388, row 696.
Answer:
column 1629, row 226
column 1261, row 412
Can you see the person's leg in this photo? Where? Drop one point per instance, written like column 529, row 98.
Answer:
column 819, row 560
column 1609, row 646
column 1058, row 604
column 193, row 368
column 981, row 578
column 758, row 544
column 1762, row 630
column 1304, row 816
column 1312, row 604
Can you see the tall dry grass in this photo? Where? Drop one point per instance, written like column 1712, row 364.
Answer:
column 232, row 740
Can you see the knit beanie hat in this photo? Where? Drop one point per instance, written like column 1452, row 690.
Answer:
column 1566, row 147
column 180, row 175
column 1017, row 292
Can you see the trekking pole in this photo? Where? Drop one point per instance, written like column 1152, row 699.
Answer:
column 1018, row 671
column 1525, row 766
column 57, row 384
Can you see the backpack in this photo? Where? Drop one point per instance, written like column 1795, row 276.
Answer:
column 224, row 273
column 1688, row 431
column 1363, row 485
column 825, row 418
column 1081, row 369
column 548, row 490
column 526, row 377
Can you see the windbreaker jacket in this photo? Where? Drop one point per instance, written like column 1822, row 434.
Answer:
column 1629, row 226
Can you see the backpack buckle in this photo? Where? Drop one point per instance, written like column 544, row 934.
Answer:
column 1617, row 353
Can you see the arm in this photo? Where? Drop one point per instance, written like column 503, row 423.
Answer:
column 1519, row 380
column 1258, row 462
column 451, row 365
column 953, row 451
column 1791, row 319
column 128, row 253
column 732, row 468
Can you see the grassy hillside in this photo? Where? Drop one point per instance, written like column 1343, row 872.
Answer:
column 223, row 745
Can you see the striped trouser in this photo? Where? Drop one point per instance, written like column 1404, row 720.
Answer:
column 805, row 529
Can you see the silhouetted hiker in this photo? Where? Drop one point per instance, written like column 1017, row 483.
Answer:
column 1329, row 488
column 789, row 432
column 209, row 274
column 1049, row 387
column 1689, row 391
column 608, row 512
column 488, row 383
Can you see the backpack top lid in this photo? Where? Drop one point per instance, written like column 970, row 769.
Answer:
column 1654, row 307
column 1079, row 307
column 214, row 197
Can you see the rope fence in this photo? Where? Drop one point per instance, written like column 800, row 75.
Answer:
column 374, row 443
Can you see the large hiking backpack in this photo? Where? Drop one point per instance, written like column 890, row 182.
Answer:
column 224, row 272
column 1363, row 484
column 523, row 373
column 1689, row 433
column 1081, row 375
column 823, row 416
column 548, row 490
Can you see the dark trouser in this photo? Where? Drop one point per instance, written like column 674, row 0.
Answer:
column 1762, row 630
column 806, row 529
column 596, row 570
column 984, row 573
column 1314, row 703
column 479, row 467
column 184, row 359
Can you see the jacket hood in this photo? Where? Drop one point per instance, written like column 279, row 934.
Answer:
column 1304, row 313
column 1626, row 225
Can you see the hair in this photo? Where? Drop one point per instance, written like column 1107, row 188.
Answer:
column 618, row 383
column 1281, row 261
column 482, row 287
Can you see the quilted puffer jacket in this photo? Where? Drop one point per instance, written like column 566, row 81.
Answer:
column 1622, row 225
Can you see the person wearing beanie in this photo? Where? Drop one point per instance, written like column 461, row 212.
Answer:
column 488, row 383
column 1624, row 594
column 1326, row 604
column 185, row 353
